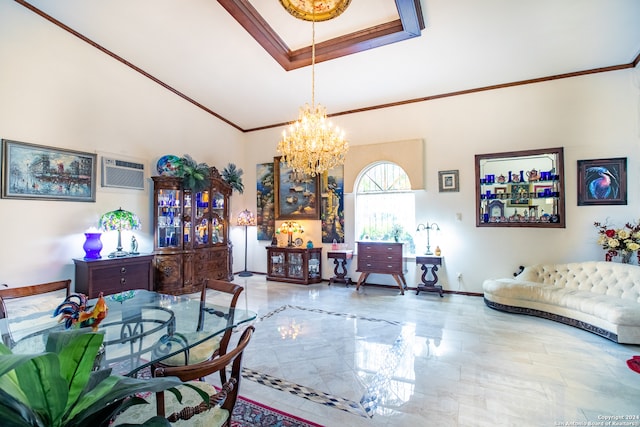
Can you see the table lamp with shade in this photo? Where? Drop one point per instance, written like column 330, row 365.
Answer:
column 245, row 218
column 119, row 220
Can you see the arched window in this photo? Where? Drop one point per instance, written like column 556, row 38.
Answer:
column 385, row 205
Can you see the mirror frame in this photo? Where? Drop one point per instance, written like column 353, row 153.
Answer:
column 559, row 182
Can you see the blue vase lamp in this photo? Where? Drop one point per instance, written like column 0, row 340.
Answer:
column 92, row 246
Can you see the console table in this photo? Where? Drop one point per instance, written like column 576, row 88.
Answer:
column 381, row 258
column 294, row 265
column 340, row 258
column 429, row 264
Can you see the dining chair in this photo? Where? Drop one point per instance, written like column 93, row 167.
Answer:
column 7, row 295
column 214, row 346
column 219, row 408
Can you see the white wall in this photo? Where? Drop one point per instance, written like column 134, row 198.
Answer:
column 592, row 117
column 58, row 91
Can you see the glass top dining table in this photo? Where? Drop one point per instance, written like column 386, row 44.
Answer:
column 141, row 328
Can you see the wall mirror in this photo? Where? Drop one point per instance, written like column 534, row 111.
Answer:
column 520, row 189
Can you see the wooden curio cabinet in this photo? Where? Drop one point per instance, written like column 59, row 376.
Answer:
column 294, row 265
column 191, row 234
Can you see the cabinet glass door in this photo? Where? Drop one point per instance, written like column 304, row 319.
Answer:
column 186, row 226
column 169, row 214
column 201, row 221
column 314, row 265
column 217, row 218
column 277, row 263
column 296, row 261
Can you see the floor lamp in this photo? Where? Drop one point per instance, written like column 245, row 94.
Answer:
column 246, row 218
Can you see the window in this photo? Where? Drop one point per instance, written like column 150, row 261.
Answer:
column 385, row 205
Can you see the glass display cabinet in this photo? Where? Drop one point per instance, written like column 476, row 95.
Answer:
column 294, row 265
column 191, row 234
column 520, row 189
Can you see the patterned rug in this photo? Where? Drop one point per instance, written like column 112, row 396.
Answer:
column 248, row 413
column 634, row 364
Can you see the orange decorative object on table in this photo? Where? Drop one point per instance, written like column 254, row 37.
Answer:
column 73, row 312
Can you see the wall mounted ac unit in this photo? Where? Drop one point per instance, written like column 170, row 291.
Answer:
column 122, row 174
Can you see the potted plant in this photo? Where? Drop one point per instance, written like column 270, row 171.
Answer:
column 233, row 176
column 194, row 175
column 58, row 388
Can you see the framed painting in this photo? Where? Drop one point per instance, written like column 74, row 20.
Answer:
column 602, row 182
column 296, row 193
column 448, row 181
column 35, row 172
column 265, row 218
column 518, row 195
column 332, row 206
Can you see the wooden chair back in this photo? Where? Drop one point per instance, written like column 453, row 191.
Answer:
column 228, row 394
column 228, row 288
column 222, row 286
column 27, row 291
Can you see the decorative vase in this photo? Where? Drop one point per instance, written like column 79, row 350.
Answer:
column 608, row 256
column 626, row 257
column 92, row 246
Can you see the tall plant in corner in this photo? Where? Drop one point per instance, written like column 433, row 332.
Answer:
column 58, row 388
column 194, row 175
column 233, row 176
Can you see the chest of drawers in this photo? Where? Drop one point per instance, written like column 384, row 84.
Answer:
column 380, row 258
column 113, row 275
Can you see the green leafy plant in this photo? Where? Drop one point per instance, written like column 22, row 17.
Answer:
column 233, row 176
column 58, row 388
column 194, row 175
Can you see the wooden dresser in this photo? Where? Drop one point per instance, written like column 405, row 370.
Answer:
column 113, row 275
column 380, row 258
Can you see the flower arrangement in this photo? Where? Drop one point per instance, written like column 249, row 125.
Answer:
column 619, row 241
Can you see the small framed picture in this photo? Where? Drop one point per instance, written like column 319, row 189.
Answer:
column 518, row 195
column 448, row 181
column 602, row 182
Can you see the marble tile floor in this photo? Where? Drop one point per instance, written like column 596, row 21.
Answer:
column 375, row 358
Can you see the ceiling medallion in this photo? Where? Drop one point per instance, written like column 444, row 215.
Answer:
column 324, row 9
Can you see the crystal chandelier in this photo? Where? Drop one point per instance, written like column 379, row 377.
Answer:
column 312, row 145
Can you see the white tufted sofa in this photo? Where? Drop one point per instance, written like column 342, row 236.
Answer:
column 597, row 296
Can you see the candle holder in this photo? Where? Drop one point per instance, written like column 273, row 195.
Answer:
column 428, row 227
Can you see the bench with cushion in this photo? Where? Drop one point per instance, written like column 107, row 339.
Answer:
column 597, row 296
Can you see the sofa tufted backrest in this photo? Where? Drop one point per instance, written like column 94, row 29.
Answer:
column 601, row 277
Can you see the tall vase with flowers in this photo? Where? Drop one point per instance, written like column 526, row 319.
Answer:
column 619, row 241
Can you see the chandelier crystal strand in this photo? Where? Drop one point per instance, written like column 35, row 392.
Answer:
column 312, row 145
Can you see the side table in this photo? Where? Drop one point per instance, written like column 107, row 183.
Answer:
column 429, row 264
column 340, row 258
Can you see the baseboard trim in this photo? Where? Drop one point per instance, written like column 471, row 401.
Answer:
column 380, row 285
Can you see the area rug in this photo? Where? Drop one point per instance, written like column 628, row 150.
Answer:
column 248, row 413
column 634, row 364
